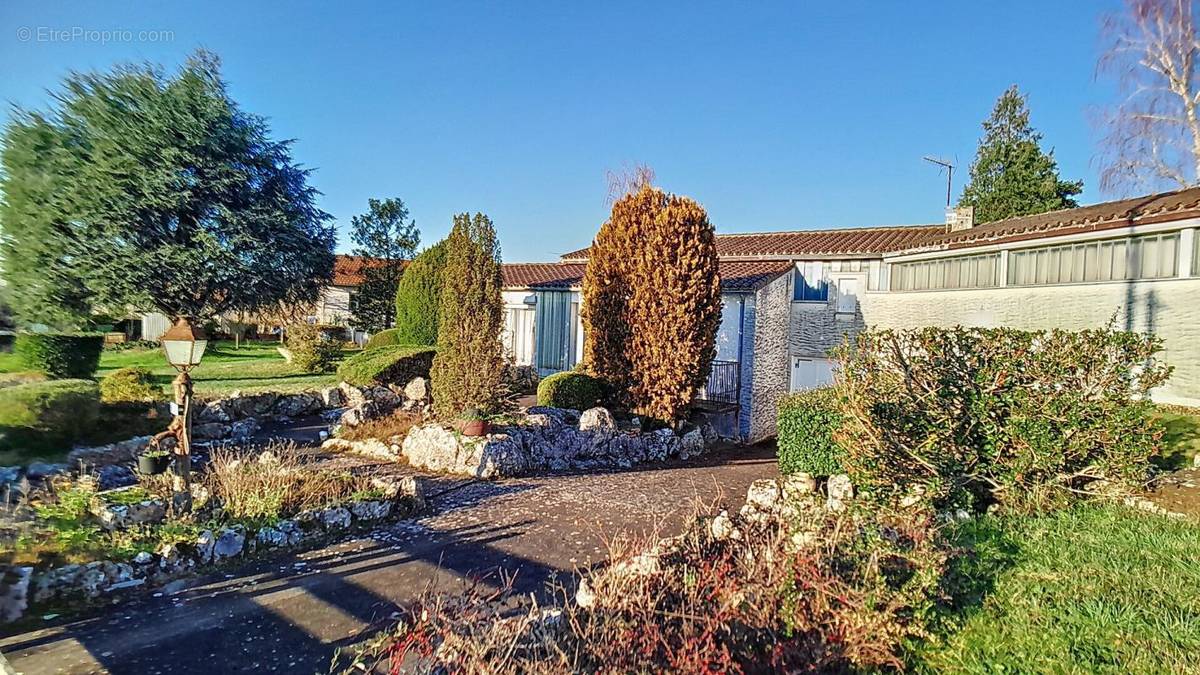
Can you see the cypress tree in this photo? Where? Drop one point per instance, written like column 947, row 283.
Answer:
column 468, row 369
column 652, row 302
column 418, row 297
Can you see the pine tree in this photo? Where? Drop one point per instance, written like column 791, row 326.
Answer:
column 652, row 302
column 1011, row 175
column 383, row 235
column 468, row 369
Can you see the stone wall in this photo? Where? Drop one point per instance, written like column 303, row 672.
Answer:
column 771, row 368
column 1169, row 308
column 547, row 440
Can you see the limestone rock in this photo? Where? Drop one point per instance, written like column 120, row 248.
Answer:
column 42, row 470
column 597, row 420
column 336, row 518
column 797, row 485
column 229, row 543
column 14, row 593
column 371, row 510
column 332, row 397
column 417, row 389
column 763, row 495
column 840, row 488
column 721, row 527
column 205, row 543
column 115, row 476
column 585, row 597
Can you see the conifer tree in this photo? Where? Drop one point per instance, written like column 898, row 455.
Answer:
column 1011, row 175
column 469, row 366
column 652, row 302
column 419, row 296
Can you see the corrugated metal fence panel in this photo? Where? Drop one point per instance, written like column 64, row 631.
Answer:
column 553, row 331
column 154, row 325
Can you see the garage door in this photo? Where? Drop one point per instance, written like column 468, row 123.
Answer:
column 808, row 373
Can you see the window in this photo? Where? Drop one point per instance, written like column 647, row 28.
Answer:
column 847, row 294
column 1153, row 256
column 974, row 271
column 812, row 282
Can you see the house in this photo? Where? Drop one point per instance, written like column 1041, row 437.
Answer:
column 332, row 308
column 790, row 297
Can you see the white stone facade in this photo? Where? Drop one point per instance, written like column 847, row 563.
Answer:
column 1169, row 308
column 771, row 372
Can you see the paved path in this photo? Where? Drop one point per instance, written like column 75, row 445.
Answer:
column 291, row 613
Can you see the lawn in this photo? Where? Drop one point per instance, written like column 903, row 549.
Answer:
column 255, row 366
column 1089, row 589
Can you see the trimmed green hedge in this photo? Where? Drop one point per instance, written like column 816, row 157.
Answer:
column 397, row 364
column 47, row 415
column 385, row 338
column 60, row 355
column 570, row 389
column 806, row 424
column 419, row 297
column 130, row 384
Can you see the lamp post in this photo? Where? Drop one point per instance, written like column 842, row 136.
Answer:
column 184, row 346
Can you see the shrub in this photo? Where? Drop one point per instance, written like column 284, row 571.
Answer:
column 979, row 415
column 807, row 423
column 384, row 338
column 60, row 355
column 850, row 601
column 47, row 415
column 418, row 297
column 278, row 485
column 312, row 350
column 652, row 302
column 386, row 428
column 387, row 365
column 468, row 370
column 129, row 384
column 571, row 389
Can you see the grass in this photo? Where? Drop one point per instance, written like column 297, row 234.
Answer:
column 255, row 366
column 1089, row 589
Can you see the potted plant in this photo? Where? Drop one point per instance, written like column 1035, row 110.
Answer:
column 153, row 462
column 473, row 423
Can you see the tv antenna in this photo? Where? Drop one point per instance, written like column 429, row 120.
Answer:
column 945, row 164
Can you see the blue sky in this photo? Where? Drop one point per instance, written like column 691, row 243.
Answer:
column 774, row 116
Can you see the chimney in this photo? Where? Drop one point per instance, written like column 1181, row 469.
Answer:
column 960, row 218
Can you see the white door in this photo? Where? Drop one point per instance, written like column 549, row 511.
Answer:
column 809, row 373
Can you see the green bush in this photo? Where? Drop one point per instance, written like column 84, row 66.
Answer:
column 60, row 355
column 385, row 338
column 47, row 415
column 130, row 384
column 807, row 423
column 418, row 298
column 387, row 365
column 977, row 415
column 313, row 351
column 571, row 389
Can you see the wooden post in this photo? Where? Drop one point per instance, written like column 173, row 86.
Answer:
column 182, row 486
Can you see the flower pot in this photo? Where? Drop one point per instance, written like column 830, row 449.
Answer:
column 152, row 465
column 474, row 427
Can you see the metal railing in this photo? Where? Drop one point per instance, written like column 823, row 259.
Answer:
column 724, row 383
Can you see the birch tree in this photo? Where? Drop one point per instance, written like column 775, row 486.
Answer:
column 1152, row 135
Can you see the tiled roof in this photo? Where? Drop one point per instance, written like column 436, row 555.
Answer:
column 751, row 274
column 735, row 275
column 348, row 269
column 859, row 241
column 543, row 275
column 1155, row 208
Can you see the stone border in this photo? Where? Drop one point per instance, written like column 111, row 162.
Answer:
column 91, row 581
column 543, row 440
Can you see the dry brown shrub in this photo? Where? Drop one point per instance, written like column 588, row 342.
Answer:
column 757, row 603
column 384, row 428
column 277, row 483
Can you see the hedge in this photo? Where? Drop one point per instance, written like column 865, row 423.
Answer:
column 313, row 351
column 570, row 389
column 49, row 415
column 385, row 338
column 418, row 297
column 806, row 424
column 976, row 416
column 60, row 355
column 397, row 364
column 130, row 384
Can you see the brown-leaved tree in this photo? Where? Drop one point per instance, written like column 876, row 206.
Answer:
column 469, row 366
column 652, row 302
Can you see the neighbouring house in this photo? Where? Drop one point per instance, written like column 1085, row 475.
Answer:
column 790, row 297
column 334, row 307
